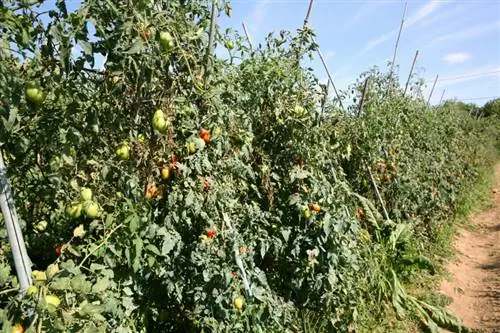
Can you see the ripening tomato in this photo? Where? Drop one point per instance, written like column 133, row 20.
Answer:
column 360, row 213
column 238, row 302
column 206, row 184
column 18, row 328
column 315, row 207
column 165, row 173
column 205, row 135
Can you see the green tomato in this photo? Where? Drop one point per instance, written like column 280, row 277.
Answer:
column 41, row 226
column 229, row 45
column 159, row 122
column 74, row 210
column 299, row 111
column 217, row 131
column 52, row 270
column 166, row 41
column 52, row 300
column 123, row 152
column 191, row 147
column 34, row 95
column 306, row 212
column 86, row 194
column 32, row 290
column 141, row 138
column 92, row 210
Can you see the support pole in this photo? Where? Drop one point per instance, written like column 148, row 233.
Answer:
column 432, row 90
column 411, row 72
column 306, row 20
column 22, row 262
column 397, row 40
column 248, row 35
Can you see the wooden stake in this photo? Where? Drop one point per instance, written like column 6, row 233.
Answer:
column 432, row 90
column 248, row 35
column 442, row 95
column 306, row 20
column 362, row 101
column 330, row 77
column 397, row 40
column 411, row 72
column 213, row 27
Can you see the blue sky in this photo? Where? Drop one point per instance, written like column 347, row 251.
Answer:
column 459, row 40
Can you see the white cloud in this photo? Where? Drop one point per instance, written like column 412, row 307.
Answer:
column 475, row 31
column 421, row 14
column 456, row 58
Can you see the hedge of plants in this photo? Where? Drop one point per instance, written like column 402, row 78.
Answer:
column 176, row 191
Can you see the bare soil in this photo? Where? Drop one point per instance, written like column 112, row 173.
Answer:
column 474, row 286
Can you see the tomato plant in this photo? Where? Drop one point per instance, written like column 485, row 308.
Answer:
column 165, row 189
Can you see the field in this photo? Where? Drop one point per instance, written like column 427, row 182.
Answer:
column 174, row 191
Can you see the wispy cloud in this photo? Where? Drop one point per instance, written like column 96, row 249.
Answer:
column 412, row 20
column 258, row 15
column 329, row 55
column 422, row 13
column 363, row 11
column 456, row 58
column 475, row 74
column 473, row 32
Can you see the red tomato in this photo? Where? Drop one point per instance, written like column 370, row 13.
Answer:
column 205, row 135
column 58, row 250
column 211, row 233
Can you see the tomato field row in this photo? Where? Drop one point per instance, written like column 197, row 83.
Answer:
column 174, row 191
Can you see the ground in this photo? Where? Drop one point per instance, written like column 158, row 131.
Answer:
column 474, row 286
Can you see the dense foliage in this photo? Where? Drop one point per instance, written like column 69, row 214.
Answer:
column 175, row 191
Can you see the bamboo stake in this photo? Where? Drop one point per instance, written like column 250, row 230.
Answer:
column 442, row 95
column 397, row 40
column 248, row 35
column 330, row 77
column 411, row 72
column 362, row 101
column 372, row 179
column 432, row 90
column 306, row 20
column 213, row 27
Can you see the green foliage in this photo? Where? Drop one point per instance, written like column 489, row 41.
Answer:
column 170, row 251
column 491, row 108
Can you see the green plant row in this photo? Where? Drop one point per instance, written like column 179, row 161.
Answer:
column 174, row 191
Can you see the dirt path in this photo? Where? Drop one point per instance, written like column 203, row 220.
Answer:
column 475, row 281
